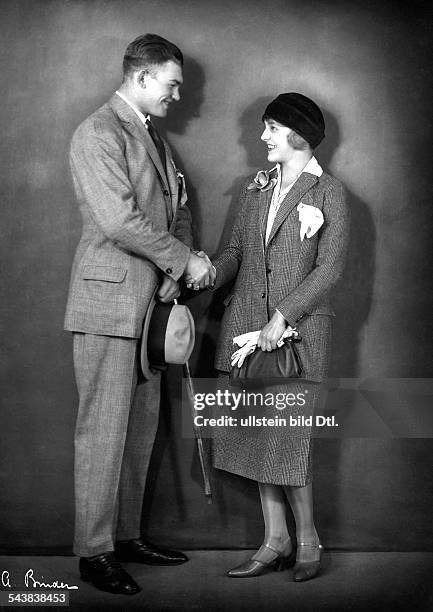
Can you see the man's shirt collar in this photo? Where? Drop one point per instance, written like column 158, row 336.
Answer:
column 143, row 118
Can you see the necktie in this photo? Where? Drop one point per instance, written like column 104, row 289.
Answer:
column 161, row 152
column 158, row 144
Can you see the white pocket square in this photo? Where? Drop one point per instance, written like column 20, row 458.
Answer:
column 311, row 219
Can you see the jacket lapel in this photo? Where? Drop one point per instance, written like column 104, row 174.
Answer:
column 299, row 189
column 134, row 126
column 266, row 197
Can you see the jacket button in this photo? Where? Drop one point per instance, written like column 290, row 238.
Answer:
column 263, row 294
column 166, row 192
column 169, row 271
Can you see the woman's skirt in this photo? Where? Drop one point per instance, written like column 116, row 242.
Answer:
column 269, row 437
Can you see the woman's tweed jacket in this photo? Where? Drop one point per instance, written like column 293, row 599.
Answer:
column 291, row 275
column 295, row 277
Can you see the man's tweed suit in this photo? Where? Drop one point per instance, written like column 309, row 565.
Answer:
column 296, row 278
column 134, row 231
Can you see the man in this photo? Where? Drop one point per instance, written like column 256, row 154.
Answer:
column 136, row 238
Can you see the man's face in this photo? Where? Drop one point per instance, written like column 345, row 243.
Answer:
column 159, row 88
column 275, row 135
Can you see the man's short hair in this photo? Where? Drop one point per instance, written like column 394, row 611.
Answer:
column 149, row 50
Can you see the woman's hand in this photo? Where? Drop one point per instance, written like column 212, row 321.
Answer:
column 195, row 278
column 272, row 332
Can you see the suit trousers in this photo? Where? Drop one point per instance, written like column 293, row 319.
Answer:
column 115, row 431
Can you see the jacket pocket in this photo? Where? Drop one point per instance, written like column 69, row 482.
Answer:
column 321, row 310
column 104, row 273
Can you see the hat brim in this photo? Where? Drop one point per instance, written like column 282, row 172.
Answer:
column 144, row 360
column 177, row 340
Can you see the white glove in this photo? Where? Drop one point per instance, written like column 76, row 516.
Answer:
column 248, row 344
column 248, row 337
column 238, row 356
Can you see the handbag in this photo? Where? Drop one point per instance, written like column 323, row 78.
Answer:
column 283, row 362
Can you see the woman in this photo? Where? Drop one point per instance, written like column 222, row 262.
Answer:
column 285, row 253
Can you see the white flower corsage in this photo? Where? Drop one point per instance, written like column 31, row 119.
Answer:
column 311, row 219
column 263, row 180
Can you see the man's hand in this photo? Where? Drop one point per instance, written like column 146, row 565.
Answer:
column 199, row 272
column 272, row 332
column 169, row 290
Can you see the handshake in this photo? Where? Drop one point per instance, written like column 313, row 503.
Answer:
column 199, row 271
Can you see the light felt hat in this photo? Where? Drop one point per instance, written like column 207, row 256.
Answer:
column 168, row 336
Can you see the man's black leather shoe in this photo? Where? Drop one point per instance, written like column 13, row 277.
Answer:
column 144, row 552
column 106, row 574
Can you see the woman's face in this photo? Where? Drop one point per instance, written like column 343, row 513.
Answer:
column 275, row 135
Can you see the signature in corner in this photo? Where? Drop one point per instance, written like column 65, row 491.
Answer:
column 31, row 582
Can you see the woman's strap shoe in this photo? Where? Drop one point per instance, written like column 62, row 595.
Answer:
column 305, row 570
column 255, row 567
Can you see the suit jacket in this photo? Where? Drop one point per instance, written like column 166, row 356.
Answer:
column 291, row 275
column 134, row 228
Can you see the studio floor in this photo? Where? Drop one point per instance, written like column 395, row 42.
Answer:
column 348, row 581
